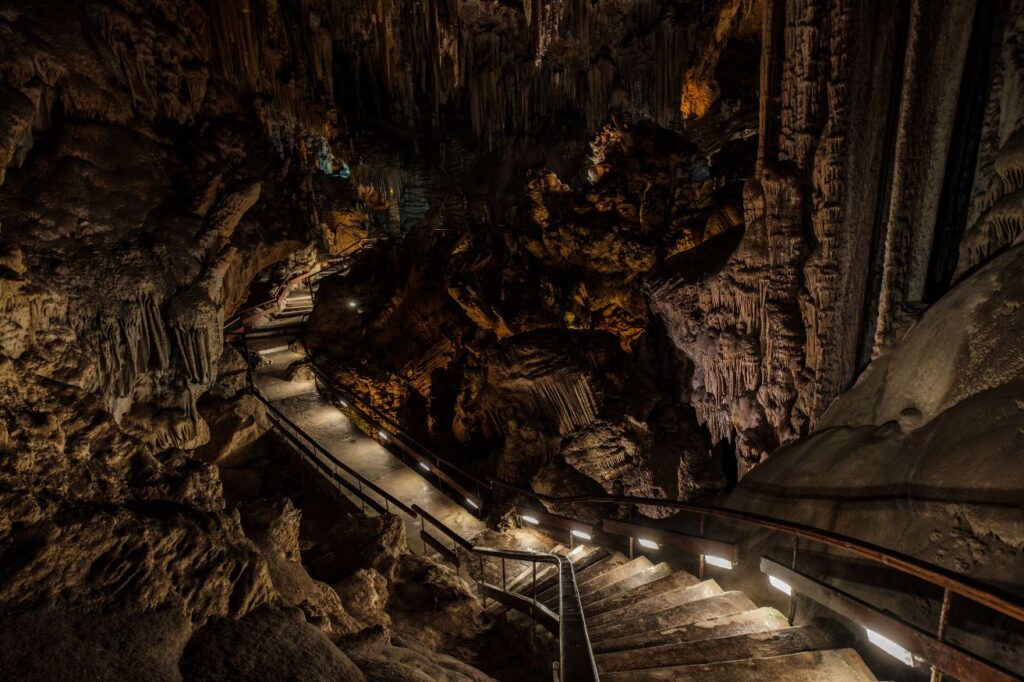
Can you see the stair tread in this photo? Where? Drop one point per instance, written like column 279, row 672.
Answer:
column 736, row 647
column 628, row 584
column 717, row 606
column 614, row 575
column 834, row 665
column 757, row 620
column 549, row 595
column 662, row 593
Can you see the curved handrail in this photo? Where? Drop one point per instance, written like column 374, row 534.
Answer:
column 257, row 310
column 986, row 595
column 577, row 662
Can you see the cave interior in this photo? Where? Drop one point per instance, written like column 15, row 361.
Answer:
column 408, row 340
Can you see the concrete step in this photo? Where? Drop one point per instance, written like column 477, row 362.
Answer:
column 589, row 572
column 614, row 575
column 580, row 558
column 835, row 665
column 758, row 620
column 738, row 647
column 718, row 606
column 549, row 596
column 525, row 575
column 625, row 585
column 654, row 596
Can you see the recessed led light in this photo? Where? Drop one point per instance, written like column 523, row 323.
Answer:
column 780, row 585
column 890, row 647
column 718, row 561
column 382, row 434
column 531, row 519
column 581, row 535
column 424, row 466
column 649, row 544
column 472, row 504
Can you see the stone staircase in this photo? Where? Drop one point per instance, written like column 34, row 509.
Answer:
column 647, row 621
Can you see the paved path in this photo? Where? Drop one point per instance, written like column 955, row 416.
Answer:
column 301, row 403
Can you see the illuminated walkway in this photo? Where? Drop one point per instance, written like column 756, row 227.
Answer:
column 303, row 405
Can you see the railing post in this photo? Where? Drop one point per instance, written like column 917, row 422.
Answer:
column 483, row 579
column 631, row 548
column 504, row 588
column 534, row 581
column 700, row 560
column 941, row 634
column 362, row 502
column 791, row 616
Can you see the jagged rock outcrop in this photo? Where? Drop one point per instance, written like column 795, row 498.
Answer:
column 827, row 272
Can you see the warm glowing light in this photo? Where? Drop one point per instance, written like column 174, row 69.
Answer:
column 352, row 304
column 780, row 585
column 649, row 544
column 343, row 403
column 382, row 434
column 472, row 504
column 890, row 647
column 531, row 519
column 581, row 535
column 718, row 561
column 424, row 466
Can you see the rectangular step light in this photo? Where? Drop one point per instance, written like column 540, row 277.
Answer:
column 718, row 561
column 472, row 504
column 531, row 519
column 581, row 535
column 780, row 585
column 382, row 434
column 890, row 647
column 343, row 403
column 649, row 544
column 424, row 466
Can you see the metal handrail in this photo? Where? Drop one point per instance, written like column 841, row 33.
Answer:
column 576, row 656
column 384, row 421
column 388, row 498
column 256, row 311
column 973, row 590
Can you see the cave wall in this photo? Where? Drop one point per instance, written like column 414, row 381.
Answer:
column 858, row 106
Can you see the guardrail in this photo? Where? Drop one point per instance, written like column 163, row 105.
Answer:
column 238, row 322
column 576, row 657
column 331, row 468
column 943, row 657
column 471, row 489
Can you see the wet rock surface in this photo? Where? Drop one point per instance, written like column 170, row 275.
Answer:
column 617, row 248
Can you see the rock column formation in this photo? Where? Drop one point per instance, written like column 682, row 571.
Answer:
column 857, row 118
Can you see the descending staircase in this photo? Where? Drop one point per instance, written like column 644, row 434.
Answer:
column 648, row 621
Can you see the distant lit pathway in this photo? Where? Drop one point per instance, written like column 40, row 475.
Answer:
column 335, row 432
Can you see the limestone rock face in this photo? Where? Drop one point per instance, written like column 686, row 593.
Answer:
column 233, row 426
column 268, row 643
